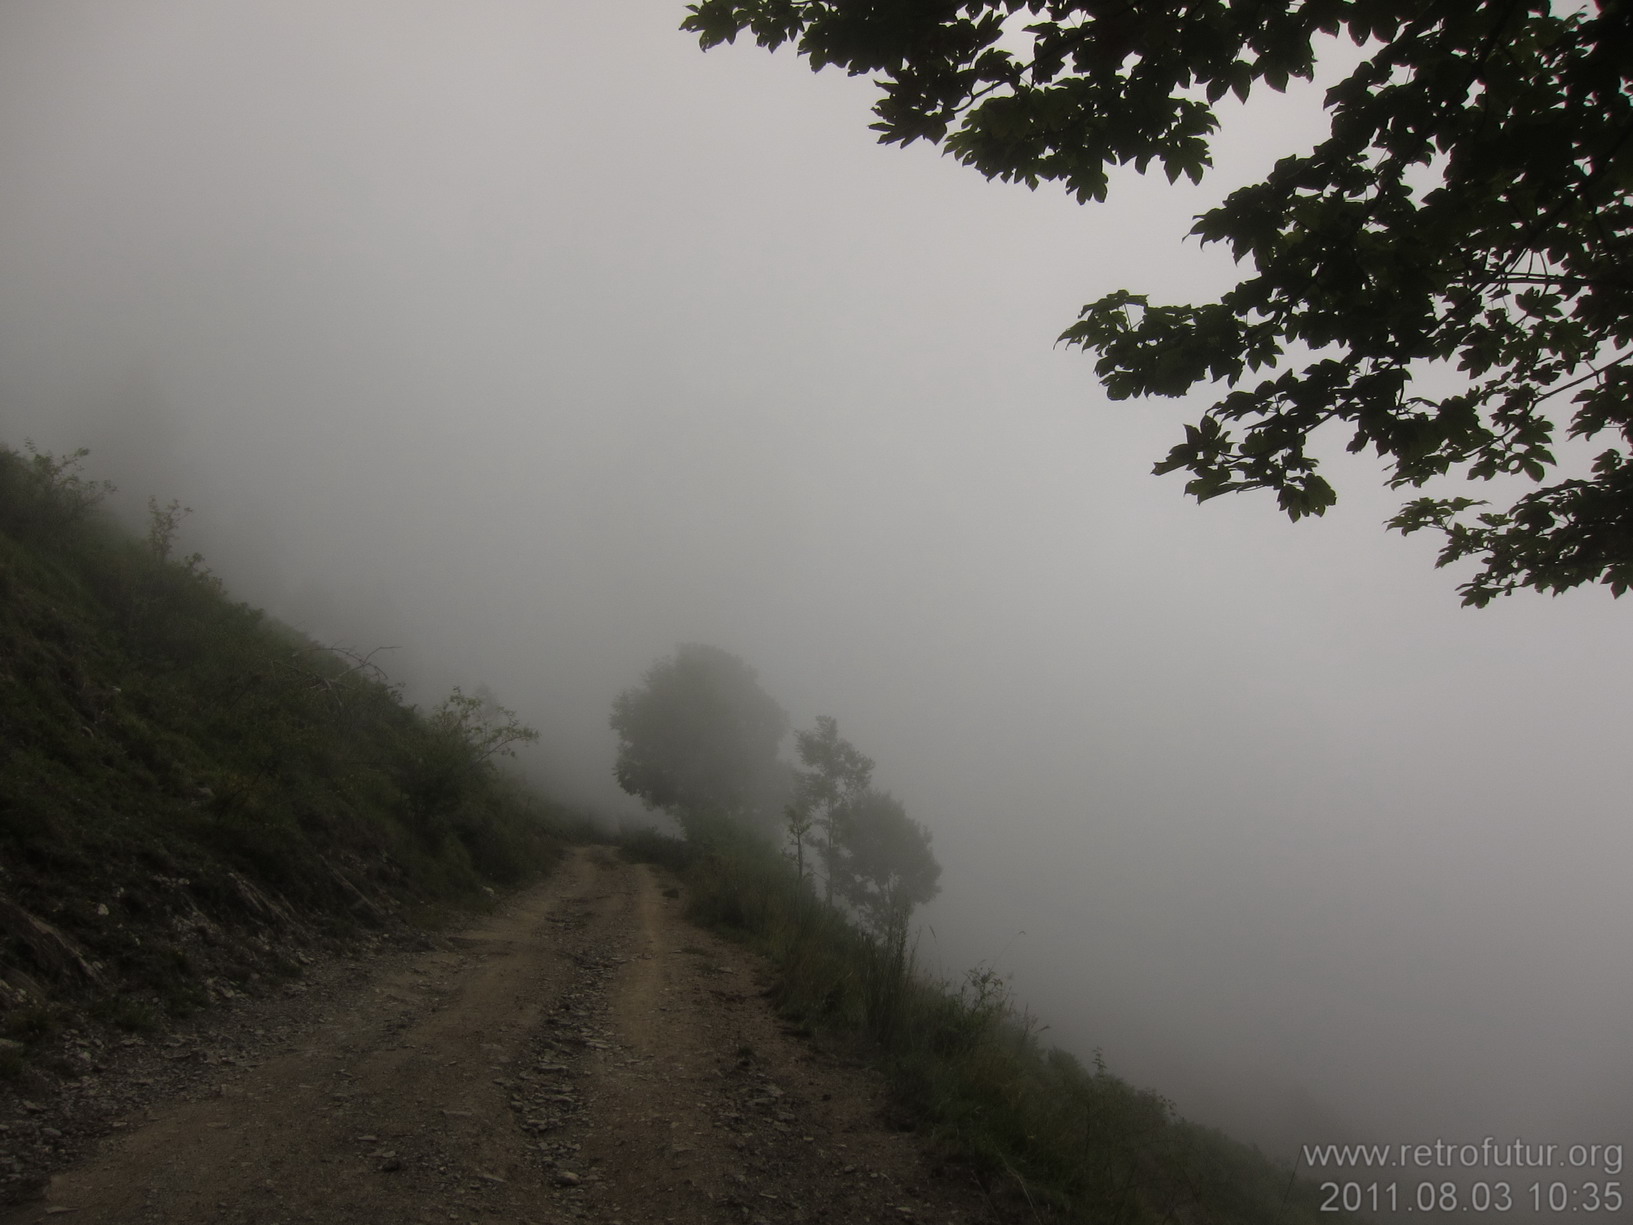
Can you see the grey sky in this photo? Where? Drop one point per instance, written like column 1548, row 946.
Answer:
column 527, row 336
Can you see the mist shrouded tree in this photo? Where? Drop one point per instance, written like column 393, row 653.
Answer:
column 698, row 739
column 883, row 866
column 1445, row 279
column 836, row 774
column 875, row 858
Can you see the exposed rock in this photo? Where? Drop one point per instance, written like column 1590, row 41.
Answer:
column 54, row 951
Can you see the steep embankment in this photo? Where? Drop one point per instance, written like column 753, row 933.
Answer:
column 195, row 799
column 586, row 1052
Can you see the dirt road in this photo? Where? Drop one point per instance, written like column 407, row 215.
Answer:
column 586, row 1055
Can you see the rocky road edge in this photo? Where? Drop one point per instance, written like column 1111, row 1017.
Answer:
column 585, row 1054
column 98, row 1080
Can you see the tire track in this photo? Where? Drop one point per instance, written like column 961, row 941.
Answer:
column 584, row 1055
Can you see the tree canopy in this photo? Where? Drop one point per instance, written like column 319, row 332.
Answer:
column 699, row 737
column 836, row 774
column 875, row 858
column 836, row 771
column 883, row 865
column 1445, row 278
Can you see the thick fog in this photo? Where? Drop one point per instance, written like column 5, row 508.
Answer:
column 527, row 338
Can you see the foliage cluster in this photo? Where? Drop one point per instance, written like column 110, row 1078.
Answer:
column 875, row 858
column 1051, row 1138
column 699, row 738
column 185, row 782
column 836, row 776
column 1442, row 280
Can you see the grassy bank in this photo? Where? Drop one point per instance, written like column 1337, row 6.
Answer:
column 1051, row 1138
column 190, row 791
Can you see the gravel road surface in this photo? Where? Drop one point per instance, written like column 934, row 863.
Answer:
column 585, row 1054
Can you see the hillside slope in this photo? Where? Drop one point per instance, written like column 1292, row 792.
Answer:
column 191, row 793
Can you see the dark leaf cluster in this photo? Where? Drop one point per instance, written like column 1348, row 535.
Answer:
column 1444, row 280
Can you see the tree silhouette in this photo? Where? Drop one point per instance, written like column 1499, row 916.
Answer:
column 698, row 739
column 1444, row 279
column 836, row 774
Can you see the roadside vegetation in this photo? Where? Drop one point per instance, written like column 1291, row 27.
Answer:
column 191, row 793
column 829, row 893
column 1050, row 1138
